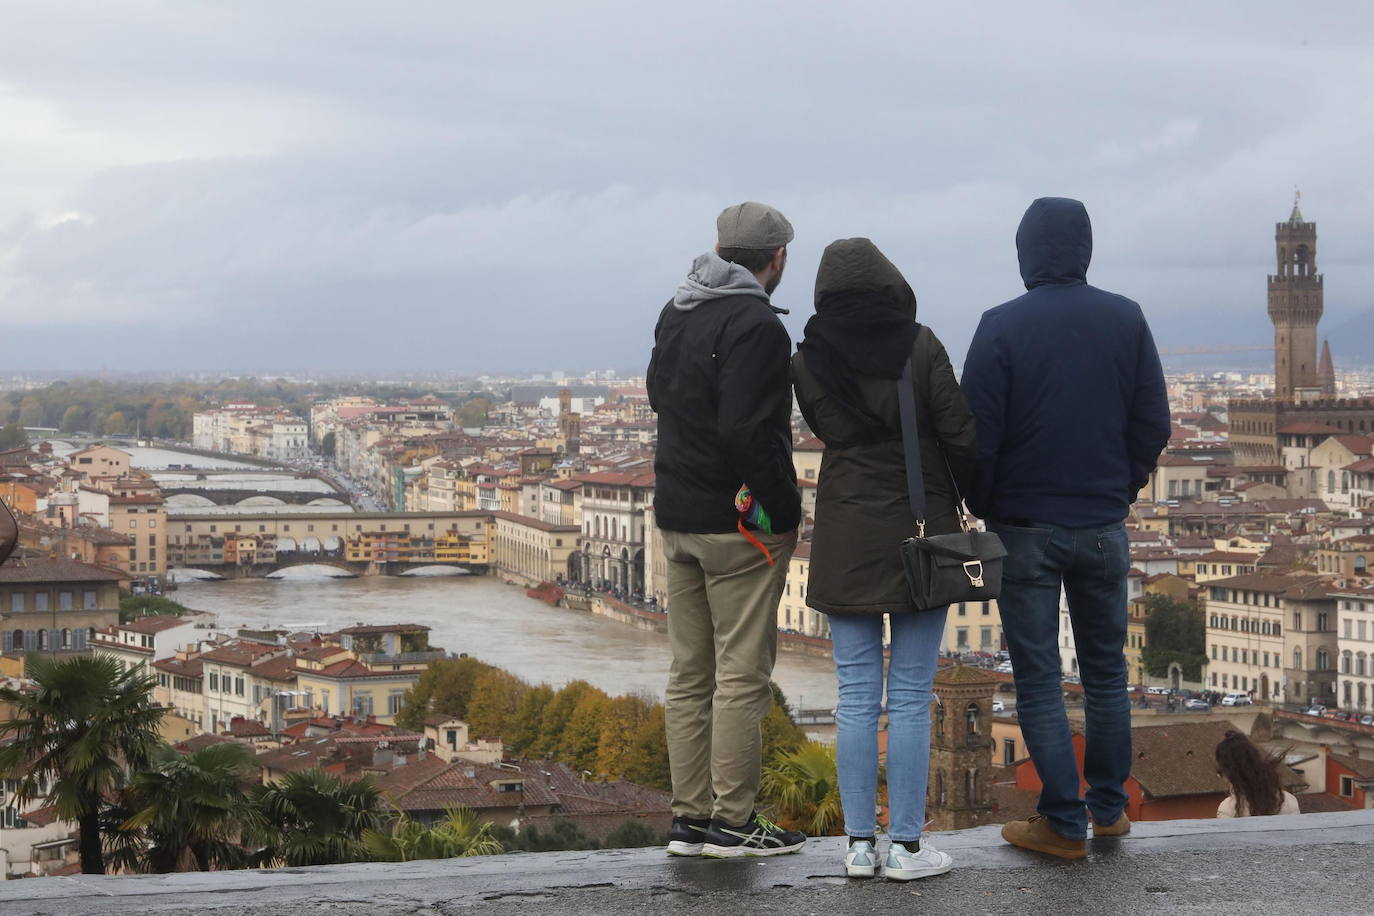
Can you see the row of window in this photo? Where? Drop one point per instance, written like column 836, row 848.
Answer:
column 1245, row 656
column 1245, row 625
column 41, row 601
column 1244, row 596
column 46, row 640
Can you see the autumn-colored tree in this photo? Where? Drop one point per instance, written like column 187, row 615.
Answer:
column 116, row 424
column 577, row 746
column 445, row 689
column 557, row 712
column 31, row 412
column 625, row 716
column 495, row 700
column 526, row 733
column 646, row 759
column 12, row 435
column 73, row 419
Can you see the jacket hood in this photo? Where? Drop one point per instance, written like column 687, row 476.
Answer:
column 1054, row 242
column 856, row 268
column 713, row 277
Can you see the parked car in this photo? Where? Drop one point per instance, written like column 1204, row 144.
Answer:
column 1158, row 691
column 1004, row 668
column 1367, row 719
column 1314, row 710
column 999, row 706
column 1236, row 699
column 1196, row 705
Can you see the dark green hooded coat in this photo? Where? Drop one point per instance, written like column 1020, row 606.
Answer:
column 862, row 508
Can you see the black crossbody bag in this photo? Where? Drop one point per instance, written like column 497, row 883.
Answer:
column 944, row 568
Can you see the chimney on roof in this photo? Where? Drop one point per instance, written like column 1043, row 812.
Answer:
column 470, row 771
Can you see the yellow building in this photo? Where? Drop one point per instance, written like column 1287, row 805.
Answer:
column 974, row 626
column 1135, row 645
column 349, row 687
column 793, row 614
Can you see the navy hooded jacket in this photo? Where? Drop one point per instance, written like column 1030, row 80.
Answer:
column 1066, row 386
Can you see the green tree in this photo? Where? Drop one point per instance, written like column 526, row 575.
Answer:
column 474, row 413
column 73, row 419
column 86, row 723
column 562, row 835
column 780, row 731
column 459, row 834
column 116, row 424
column 527, row 729
column 804, row 789
column 1174, row 632
column 578, row 744
column 311, row 818
column 187, row 812
column 329, row 444
column 646, row 759
column 12, row 435
column 631, row 835
column 31, row 412
column 132, row 607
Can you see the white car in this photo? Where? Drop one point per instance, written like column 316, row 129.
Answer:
column 999, row 706
column 1236, row 699
column 1004, row 668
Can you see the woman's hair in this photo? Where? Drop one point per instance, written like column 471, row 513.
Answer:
column 1253, row 774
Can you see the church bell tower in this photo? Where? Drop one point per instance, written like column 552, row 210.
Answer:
column 1295, row 307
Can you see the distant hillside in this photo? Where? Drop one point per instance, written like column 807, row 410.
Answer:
column 1352, row 340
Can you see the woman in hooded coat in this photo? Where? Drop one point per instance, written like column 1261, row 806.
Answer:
column 846, row 374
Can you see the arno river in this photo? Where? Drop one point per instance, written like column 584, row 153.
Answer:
column 488, row 620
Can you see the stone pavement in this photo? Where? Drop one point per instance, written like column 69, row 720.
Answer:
column 1311, row 863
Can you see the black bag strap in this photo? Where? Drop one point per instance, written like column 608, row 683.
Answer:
column 911, row 443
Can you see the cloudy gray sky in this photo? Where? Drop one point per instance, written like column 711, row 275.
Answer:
column 497, row 186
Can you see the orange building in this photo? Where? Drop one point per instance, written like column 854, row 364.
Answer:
column 1351, row 779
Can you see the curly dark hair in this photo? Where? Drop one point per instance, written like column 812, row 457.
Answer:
column 1254, row 775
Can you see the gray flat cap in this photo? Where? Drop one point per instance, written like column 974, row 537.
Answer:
column 752, row 225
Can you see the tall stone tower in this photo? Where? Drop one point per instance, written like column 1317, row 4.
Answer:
column 569, row 424
column 959, row 789
column 1295, row 307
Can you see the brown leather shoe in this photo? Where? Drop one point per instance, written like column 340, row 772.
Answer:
column 1037, row 834
column 1120, row 827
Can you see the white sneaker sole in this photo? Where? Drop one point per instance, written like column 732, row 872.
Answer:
column 915, row 874
column 861, row 871
column 712, row 851
column 679, row 848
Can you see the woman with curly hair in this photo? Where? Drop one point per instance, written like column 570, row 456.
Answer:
column 1256, row 784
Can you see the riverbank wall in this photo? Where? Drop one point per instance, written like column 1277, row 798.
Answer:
column 657, row 622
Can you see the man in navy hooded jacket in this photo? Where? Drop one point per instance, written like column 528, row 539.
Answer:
column 1072, row 412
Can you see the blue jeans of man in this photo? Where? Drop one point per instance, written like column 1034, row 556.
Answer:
column 1089, row 566
column 858, row 648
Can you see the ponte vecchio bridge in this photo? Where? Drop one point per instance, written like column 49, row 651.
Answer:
column 252, row 545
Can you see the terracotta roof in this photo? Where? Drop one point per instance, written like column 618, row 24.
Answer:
column 1362, row 767
column 963, row 675
column 1173, row 760
column 1261, row 582
column 59, row 569
column 154, row 624
column 247, row 728
column 192, row 667
column 536, row 523
column 620, row 478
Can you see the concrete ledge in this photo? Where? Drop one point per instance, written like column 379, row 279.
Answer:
column 1298, row 864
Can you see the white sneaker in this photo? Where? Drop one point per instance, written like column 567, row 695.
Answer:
column 861, row 861
column 905, row 864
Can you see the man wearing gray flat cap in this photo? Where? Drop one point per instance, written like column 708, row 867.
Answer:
column 726, row 499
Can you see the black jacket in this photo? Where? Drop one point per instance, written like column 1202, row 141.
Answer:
column 1066, row 384
column 718, row 379
column 862, row 508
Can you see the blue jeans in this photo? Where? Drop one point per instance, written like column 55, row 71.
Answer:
column 858, row 647
column 1090, row 565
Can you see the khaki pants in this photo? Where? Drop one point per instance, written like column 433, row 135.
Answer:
column 723, row 625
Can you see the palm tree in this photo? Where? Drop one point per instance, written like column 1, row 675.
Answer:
column 458, row 834
column 804, row 788
column 311, row 818
column 187, row 812
column 88, row 723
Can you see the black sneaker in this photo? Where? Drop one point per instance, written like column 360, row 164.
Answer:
column 686, row 836
column 759, row 837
